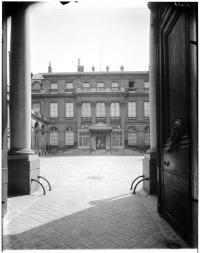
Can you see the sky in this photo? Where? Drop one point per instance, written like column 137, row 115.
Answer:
column 100, row 32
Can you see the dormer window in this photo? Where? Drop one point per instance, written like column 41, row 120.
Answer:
column 131, row 85
column 115, row 86
column 100, row 86
column 69, row 86
column 36, row 87
column 86, row 86
column 54, row 88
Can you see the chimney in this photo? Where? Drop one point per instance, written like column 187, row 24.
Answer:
column 49, row 68
column 80, row 68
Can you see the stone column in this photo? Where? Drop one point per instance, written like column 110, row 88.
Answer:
column 78, row 114
column 93, row 108
column 149, row 162
column 122, row 108
column 4, row 112
column 23, row 165
column 107, row 113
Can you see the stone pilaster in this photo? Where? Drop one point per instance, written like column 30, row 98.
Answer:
column 107, row 113
column 78, row 114
column 140, row 110
column 93, row 108
column 23, row 165
column 122, row 108
column 149, row 162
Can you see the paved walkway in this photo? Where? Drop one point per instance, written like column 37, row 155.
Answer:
column 90, row 207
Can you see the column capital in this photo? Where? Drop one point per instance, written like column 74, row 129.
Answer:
column 93, row 103
column 122, row 103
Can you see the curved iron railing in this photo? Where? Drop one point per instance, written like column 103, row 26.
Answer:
column 39, row 184
column 146, row 178
column 46, row 181
column 134, row 181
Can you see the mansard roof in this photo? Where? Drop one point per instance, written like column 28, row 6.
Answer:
column 37, row 77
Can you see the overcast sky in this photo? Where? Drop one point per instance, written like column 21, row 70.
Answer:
column 99, row 32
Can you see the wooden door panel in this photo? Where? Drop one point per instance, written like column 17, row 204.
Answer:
column 178, row 161
column 177, row 207
column 177, row 74
column 176, row 151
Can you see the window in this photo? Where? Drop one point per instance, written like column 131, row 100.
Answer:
column 146, row 109
column 146, row 84
column 115, row 110
column 53, row 110
column 69, row 86
column 117, row 139
column 53, row 136
column 54, row 86
column 84, row 139
column 69, row 110
column 131, row 109
column 132, row 136
column 86, row 86
column 100, row 110
column 86, row 110
column 42, row 129
column 36, row 86
column 36, row 107
column 131, row 84
column 147, row 136
column 69, row 139
column 100, row 86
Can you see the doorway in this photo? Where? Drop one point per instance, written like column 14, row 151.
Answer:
column 101, row 142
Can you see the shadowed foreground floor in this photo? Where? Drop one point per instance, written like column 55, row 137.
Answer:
column 90, row 207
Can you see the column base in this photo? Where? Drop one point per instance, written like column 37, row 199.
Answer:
column 20, row 151
column 21, row 169
column 150, row 171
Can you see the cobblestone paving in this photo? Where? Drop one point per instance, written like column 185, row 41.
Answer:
column 90, row 207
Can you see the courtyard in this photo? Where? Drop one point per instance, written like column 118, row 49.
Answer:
column 90, row 206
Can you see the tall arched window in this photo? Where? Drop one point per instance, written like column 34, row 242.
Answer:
column 69, row 139
column 132, row 136
column 147, row 135
column 54, row 136
column 36, row 135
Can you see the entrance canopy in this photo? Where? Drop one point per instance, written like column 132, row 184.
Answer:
column 100, row 127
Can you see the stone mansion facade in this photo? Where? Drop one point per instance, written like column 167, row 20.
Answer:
column 90, row 110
